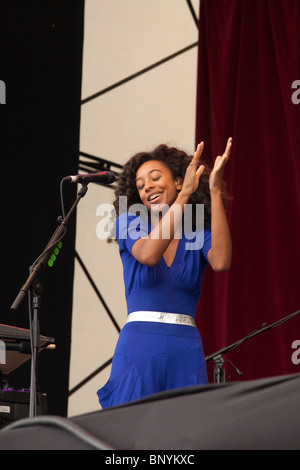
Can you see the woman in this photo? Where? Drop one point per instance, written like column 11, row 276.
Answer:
column 160, row 348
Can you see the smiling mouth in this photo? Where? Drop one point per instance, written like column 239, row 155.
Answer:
column 153, row 197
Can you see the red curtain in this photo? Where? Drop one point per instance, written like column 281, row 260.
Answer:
column 249, row 89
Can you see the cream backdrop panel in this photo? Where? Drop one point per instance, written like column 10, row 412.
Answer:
column 122, row 37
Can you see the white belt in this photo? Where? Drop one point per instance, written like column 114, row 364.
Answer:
column 162, row 317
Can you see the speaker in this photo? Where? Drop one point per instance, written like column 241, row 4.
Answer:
column 14, row 405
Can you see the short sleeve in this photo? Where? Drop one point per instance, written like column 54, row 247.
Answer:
column 206, row 244
column 130, row 228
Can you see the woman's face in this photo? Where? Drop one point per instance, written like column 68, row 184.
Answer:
column 156, row 185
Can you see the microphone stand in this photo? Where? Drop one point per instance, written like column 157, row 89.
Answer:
column 33, row 288
column 36, row 291
column 219, row 373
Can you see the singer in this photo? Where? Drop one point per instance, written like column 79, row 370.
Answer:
column 160, row 348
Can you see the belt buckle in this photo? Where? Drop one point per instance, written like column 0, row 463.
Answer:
column 161, row 316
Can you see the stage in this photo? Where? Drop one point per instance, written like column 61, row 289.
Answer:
column 259, row 414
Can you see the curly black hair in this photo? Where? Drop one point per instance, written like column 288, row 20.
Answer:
column 177, row 161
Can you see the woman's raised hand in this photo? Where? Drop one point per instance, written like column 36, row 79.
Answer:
column 216, row 175
column 193, row 173
column 194, row 170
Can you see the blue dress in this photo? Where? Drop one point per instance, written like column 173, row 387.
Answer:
column 153, row 357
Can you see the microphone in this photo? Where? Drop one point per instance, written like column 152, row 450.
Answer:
column 105, row 177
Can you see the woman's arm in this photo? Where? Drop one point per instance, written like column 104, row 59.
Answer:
column 149, row 250
column 220, row 254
